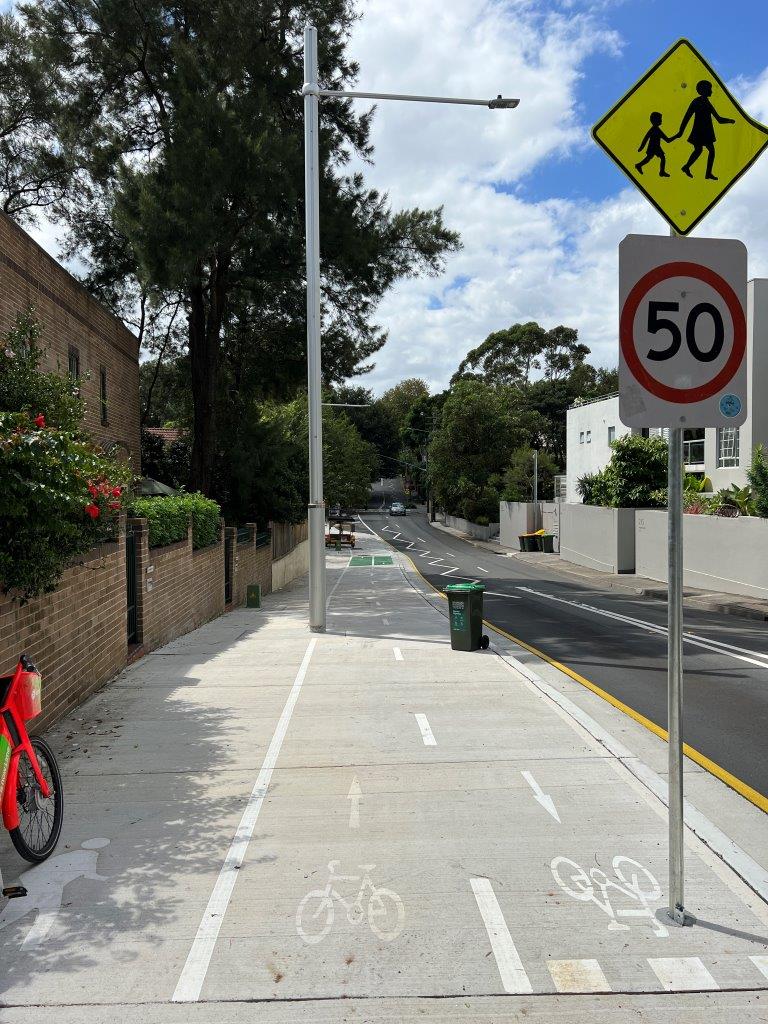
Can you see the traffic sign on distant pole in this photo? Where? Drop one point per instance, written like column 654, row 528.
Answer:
column 682, row 327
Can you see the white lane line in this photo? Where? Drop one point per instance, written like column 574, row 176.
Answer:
column 409, row 546
column 761, row 963
column 191, row 980
column 355, row 795
column 426, row 730
column 449, row 571
column 548, row 804
column 423, row 554
column 682, row 973
column 398, row 653
column 481, row 568
column 385, row 621
column 496, row 593
column 717, row 646
column 395, row 536
column 513, row 976
column 436, row 561
column 578, row 976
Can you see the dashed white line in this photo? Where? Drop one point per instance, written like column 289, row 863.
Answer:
column 398, row 653
column 496, row 593
column 718, row 646
column 449, row 571
column 578, row 976
column 682, row 973
column 513, row 976
column 193, row 974
column 481, row 568
column 426, row 730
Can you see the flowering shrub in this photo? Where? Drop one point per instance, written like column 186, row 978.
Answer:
column 60, row 494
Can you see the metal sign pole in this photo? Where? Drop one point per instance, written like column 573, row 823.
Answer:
column 535, row 489
column 675, row 674
column 312, row 193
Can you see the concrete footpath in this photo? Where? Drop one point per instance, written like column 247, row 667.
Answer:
column 364, row 826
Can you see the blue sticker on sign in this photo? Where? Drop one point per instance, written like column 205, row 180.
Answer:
column 730, row 405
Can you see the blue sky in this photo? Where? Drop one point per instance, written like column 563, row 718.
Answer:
column 540, row 209
column 732, row 37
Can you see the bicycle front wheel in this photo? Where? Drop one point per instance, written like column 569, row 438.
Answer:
column 40, row 818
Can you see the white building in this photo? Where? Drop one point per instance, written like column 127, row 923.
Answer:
column 723, row 453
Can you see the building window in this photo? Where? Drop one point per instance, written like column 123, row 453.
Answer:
column 727, row 447
column 589, row 437
column 103, row 394
column 74, row 363
column 581, row 437
column 611, row 435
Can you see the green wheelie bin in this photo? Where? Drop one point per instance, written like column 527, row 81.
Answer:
column 465, row 614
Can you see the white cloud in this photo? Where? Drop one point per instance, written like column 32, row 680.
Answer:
column 554, row 261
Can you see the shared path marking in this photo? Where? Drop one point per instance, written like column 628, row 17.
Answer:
column 513, row 976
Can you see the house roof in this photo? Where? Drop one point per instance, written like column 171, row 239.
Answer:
column 166, row 434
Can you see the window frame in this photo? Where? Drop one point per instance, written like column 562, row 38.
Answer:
column 728, row 461
column 73, row 353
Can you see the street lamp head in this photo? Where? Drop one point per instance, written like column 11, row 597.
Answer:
column 502, row 103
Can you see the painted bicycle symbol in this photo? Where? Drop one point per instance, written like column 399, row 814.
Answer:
column 316, row 912
column 632, row 880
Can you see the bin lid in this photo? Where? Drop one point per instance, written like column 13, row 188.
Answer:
column 463, row 587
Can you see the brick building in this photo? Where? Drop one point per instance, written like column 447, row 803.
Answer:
column 79, row 335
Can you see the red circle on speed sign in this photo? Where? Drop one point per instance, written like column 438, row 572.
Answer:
column 627, row 332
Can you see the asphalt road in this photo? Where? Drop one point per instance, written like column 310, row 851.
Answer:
column 617, row 642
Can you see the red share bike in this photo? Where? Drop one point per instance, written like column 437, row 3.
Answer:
column 30, row 781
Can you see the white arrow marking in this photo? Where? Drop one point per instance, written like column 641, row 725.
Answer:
column 355, row 795
column 546, row 801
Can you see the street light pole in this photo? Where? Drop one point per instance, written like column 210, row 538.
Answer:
column 312, row 94
column 316, row 517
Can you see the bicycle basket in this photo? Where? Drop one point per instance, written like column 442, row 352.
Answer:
column 31, row 695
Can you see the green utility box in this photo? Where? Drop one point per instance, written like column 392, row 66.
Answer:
column 253, row 596
column 465, row 613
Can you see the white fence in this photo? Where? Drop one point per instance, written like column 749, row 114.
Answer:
column 472, row 529
column 600, row 538
column 725, row 555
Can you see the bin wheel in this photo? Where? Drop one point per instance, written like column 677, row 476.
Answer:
column 484, row 641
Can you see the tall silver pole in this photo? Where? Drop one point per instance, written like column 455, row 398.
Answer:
column 535, row 490
column 675, row 674
column 312, row 192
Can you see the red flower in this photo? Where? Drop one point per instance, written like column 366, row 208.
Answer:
column 93, row 511
column 40, row 420
column 93, row 490
column 114, row 505
column 116, row 492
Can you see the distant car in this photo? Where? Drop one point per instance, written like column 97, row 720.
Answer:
column 397, row 508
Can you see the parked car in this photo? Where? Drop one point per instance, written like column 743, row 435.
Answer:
column 397, row 508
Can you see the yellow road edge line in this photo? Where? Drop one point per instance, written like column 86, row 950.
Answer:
column 742, row 788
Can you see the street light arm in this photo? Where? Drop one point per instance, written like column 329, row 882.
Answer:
column 499, row 103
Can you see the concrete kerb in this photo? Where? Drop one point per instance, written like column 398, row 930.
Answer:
column 522, row 661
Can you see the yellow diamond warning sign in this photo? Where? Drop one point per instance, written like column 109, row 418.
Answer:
column 681, row 137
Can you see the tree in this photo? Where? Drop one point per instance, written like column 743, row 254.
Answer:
column 757, row 474
column 518, row 479
column 186, row 119
column 375, row 422
column 34, row 170
column 510, row 356
column 470, row 450
column 401, row 399
column 636, row 476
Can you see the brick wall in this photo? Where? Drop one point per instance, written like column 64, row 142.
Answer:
column 69, row 316
column 250, row 564
column 75, row 635
column 177, row 588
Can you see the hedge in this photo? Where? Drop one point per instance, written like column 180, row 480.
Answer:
column 168, row 518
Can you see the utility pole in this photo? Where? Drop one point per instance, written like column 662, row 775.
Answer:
column 312, row 94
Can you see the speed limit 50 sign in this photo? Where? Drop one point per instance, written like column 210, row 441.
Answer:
column 682, row 332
